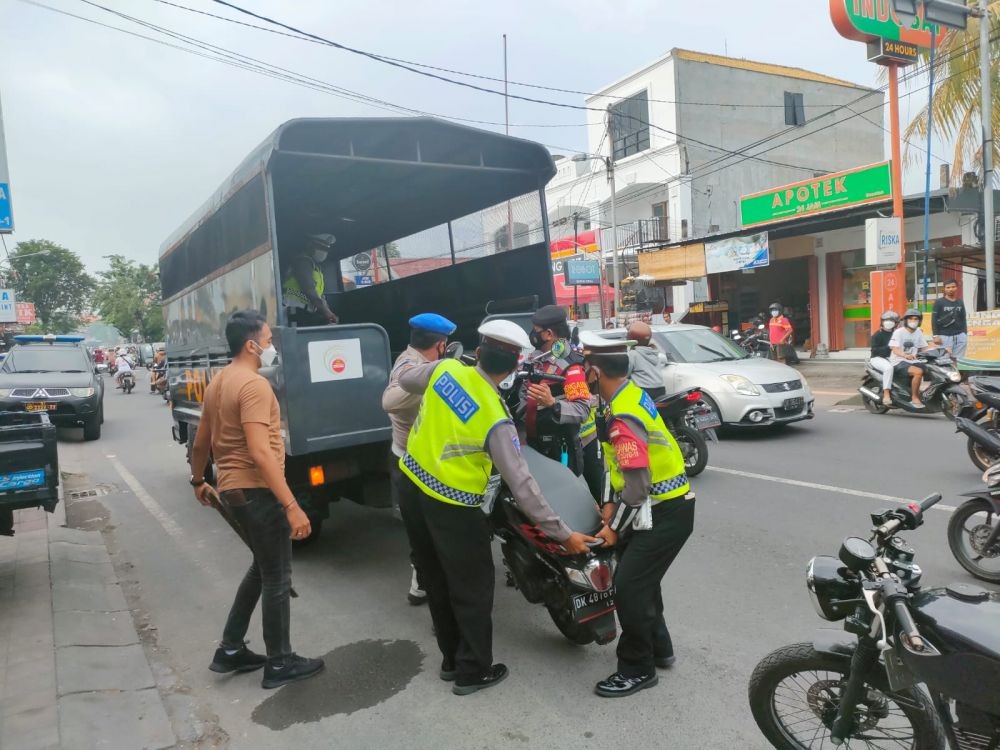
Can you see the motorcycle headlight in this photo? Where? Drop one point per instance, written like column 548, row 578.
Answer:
column 741, row 385
column 832, row 594
column 955, row 377
column 81, row 392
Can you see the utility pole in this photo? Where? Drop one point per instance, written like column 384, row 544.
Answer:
column 610, row 164
column 506, row 130
column 989, row 228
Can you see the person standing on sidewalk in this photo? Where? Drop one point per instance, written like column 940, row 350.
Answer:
column 948, row 320
column 240, row 426
column 428, row 340
column 780, row 332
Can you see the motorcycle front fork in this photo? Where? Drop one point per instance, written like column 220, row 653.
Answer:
column 864, row 658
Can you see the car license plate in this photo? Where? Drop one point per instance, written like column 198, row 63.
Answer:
column 793, row 403
column 706, row 421
column 585, row 601
column 22, row 480
column 41, row 406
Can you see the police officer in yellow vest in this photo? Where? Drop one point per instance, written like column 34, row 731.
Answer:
column 302, row 291
column 462, row 432
column 650, row 514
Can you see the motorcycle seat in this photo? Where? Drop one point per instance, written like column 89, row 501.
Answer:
column 565, row 492
column 986, row 383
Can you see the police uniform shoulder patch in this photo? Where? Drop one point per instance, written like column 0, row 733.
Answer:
column 646, row 402
column 559, row 349
column 455, row 396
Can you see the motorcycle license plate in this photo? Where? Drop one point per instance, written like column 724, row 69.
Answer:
column 587, row 605
column 41, row 406
column 793, row 403
column 707, row 421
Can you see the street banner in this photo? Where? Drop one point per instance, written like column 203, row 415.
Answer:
column 983, row 351
column 888, row 292
column 737, row 253
column 819, row 195
column 25, row 312
column 6, row 207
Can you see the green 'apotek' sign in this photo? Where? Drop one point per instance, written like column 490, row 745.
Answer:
column 831, row 192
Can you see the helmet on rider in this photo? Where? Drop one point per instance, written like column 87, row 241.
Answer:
column 910, row 315
column 889, row 320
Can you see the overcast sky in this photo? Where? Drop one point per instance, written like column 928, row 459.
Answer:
column 114, row 140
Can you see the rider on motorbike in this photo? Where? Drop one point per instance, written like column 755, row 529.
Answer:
column 881, row 352
column 906, row 343
column 124, row 364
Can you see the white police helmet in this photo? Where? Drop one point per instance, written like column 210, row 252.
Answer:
column 505, row 334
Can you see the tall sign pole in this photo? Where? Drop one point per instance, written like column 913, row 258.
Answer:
column 614, row 218
column 897, row 183
column 6, row 206
column 989, row 224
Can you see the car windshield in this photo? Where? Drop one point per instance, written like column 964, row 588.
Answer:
column 45, row 359
column 698, row 345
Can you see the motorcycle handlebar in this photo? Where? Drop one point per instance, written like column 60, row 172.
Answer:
column 907, row 625
column 930, row 501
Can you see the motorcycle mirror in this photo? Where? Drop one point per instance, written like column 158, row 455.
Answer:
column 760, row 327
column 455, row 350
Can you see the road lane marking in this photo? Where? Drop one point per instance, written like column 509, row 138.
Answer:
column 824, row 487
column 149, row 503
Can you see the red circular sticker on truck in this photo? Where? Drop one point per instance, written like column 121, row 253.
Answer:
column 338, row 365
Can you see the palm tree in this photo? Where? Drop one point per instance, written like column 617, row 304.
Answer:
column 957, row 101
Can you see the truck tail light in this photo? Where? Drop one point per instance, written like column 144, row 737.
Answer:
column 316, row 476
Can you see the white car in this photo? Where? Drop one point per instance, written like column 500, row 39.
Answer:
column 745, row 391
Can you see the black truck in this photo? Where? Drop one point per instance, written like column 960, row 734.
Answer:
column 427, row 215
column 29, row 465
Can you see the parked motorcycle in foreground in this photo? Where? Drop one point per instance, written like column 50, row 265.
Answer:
column 687, row 416
column 861, row 690
column 983, row 422
column 942, row 394
column 974, row 529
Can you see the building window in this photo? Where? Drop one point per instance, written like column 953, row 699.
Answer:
column 630, row 122
column 795, row 113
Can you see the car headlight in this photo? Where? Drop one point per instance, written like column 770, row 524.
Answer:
column 4, row 392
column 741, row 385
column 81, row 392
column 955, row 377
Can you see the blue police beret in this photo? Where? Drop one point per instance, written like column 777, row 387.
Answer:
column 433, row 323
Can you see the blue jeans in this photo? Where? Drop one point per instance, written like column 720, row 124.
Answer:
column 269, row 578
column 956, row 343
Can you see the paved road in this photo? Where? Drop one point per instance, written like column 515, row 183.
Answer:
column 736, row 592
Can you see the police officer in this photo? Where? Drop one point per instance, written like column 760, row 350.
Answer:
column 645, row 466
column 429, row 334
column 302, row 291
column 462, row 431
column 555, row 412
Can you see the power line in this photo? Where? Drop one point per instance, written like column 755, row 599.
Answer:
column 312, row 40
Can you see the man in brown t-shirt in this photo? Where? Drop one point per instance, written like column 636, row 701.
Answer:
column 240, row 427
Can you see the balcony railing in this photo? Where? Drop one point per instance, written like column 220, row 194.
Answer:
column 641, row 234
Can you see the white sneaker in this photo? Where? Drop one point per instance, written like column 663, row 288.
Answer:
column 417, row 595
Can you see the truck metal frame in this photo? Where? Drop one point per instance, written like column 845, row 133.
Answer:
column 371, row 183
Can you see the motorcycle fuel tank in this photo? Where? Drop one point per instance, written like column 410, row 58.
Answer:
column 962, row 622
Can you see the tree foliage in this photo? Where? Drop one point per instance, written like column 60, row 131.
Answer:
column 956, row 102
column 55, row 281
column 128, row 297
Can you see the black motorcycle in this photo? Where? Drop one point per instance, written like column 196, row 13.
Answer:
column 983, row 422
column 687, row 416
column 127, row 381
column 861, row 690
column 754, row 341
column 974, row 529
column 577, row 590
column 943, row 393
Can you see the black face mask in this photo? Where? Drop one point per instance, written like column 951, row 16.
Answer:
column 497, row 362
column 535, row 337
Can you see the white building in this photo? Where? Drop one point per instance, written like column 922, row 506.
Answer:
column 692, row 132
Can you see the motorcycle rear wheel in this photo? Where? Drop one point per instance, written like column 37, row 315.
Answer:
column 794, row 693
column 960, row 539
column 982, row 456
column 693, row 447
column 875, row 407
column 574, row 632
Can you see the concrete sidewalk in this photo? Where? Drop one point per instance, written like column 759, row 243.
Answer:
column 73, row 673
